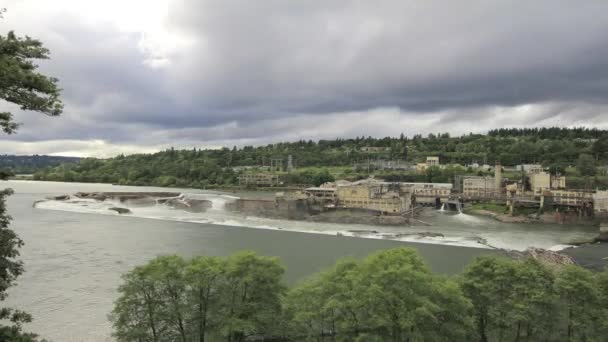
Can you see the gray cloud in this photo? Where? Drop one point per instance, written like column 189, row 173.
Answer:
column 255, row 72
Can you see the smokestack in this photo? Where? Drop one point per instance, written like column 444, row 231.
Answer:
column 497, row 176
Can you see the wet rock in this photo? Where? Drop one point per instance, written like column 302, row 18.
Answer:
column 120, row 210
column 59, row 198
column 192, row 205
column 125, row 196
column 430, row 234
column 99, row 196
column 363, row 231
column 543, row 255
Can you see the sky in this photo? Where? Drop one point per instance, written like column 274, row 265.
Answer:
column 141, row 76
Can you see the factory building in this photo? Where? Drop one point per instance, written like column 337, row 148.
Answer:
column 383, row 197
column 259, row 179
column 479, row 187
column 600, row 203
column 571, row 197
column 429, row 193
column 539, row 182
column 432, row 161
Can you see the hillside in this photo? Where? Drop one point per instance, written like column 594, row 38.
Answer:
column 557, row 148
column 33, row 163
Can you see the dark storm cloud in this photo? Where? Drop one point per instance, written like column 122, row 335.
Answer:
column 257, row 71
column 330, row 56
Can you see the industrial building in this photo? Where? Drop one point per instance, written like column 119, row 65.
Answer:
column 387, row 198
column 433, row 194
column 541, row 181
column 600, row 203
column 480, row 187
column 259, row 179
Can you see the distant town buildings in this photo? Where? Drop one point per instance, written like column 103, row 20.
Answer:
column 432, row 161
column 381, row 164
column 473, row 186
column 429, row 193
column 529, row 168
column 539, row 182
column 600, row 202
column 373, row 149
column 259, row 179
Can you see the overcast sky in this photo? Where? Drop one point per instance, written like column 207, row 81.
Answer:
column 140, row 76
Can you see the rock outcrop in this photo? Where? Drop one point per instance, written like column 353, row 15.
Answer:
column 120, row 210
column 543, row 255
column 59, row 198
column 126, row 196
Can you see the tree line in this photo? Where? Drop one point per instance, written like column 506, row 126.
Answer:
column 202, row 168
column 390, row 295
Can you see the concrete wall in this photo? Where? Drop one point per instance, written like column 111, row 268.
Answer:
column 600, row 202
column 478, row 186
column 539, row 182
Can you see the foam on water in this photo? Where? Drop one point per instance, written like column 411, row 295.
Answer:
column 455, row 230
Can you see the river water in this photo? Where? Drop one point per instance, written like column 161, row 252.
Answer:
column 76, row 251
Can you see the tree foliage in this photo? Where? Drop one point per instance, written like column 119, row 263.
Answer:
column 22, row 85
column 170, row 299
column 390, row 295
column 555, row 147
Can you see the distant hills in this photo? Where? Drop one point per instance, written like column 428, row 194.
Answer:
column 31, row 164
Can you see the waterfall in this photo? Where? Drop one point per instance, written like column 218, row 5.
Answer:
column 442, row 207
column 459, row 207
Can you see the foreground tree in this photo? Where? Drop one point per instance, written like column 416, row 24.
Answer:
column 22, row 85
column 580, row 304
column 251, row 296
column 512, row 300
column 207, row 298
column 389, row 296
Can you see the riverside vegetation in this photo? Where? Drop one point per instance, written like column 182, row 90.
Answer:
column 390, row 295
column 575, row 152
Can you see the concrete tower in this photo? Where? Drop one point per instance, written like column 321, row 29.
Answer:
column 497, row 176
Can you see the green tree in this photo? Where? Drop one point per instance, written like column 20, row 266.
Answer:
column 512, row 300
column 22, row 85
column 389, row 296
column 579, row 298
column 19, row 81
column 322, row 176
column 170, row 299
column 585, row 164
column 403, row 300
column 251, row 296
column 204, row 281
column 138, row 312
column 600, row 147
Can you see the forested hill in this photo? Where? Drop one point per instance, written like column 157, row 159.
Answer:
column 559, row 147
column 31, row 164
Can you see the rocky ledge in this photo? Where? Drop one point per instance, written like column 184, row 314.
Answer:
column 543, row 255
column 125, row 196
column 120, row 210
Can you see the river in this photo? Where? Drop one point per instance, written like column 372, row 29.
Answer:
column 75, row 253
